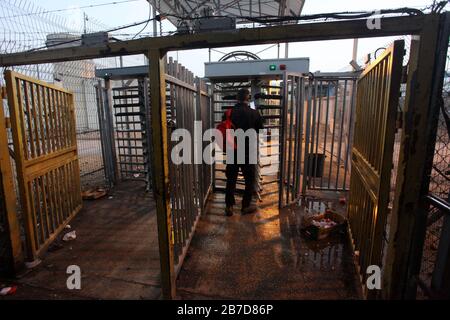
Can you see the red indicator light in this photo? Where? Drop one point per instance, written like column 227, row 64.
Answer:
column 282, row 67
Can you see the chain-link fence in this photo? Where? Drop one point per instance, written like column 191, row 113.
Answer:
column 439, row 184
column 25, row 26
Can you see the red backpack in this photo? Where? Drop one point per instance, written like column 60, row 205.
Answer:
column 223, row 127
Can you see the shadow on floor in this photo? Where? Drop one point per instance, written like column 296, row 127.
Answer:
column 116, row 248
column 263, row 256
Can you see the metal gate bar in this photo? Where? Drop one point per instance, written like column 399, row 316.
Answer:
column 291, row 138
column 331, row 106
column 372, row 155
column 187, row 101
column 11, row 252
column 106, row 128
column 45, row 147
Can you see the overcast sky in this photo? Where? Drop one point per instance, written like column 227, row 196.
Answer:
column 326, row 56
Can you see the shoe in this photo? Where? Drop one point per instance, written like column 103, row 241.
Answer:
column 229, row 211
column 250, row 209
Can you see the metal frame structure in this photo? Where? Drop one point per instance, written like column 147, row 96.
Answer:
column 317, row 133
column 46, row 157
column 372, row 155
column 232, row 8
column 11, row 257
column 187, row 100
column 332, row 108
column 425, row 80
column 224, row 92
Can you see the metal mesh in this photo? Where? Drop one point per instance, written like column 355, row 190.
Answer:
column 25, row 26
column 439, row 183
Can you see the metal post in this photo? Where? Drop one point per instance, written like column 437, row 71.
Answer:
column 103, row 135
column 306, row 165
column 155, row 25
column 85, row 105
column 15, row 258
column 148, row 133
column 160, row 164
column 282, row 139
column 355, row 51
column 110, row 128
column 408, row 222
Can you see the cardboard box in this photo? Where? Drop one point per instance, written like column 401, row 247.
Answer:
column 315, row 232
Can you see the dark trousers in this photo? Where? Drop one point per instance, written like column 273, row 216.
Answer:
column 232, row 171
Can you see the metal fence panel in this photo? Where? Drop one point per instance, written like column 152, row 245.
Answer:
column 190, row 183
column 376, row 111
column 435, row 250
column 44, row 135
column 330, row 136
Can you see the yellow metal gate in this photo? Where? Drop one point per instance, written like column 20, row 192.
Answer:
column 372, row 155
column 45, row 148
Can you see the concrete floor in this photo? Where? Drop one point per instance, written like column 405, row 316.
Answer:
column 116, row 248
column 259, row 256
column 263, row 256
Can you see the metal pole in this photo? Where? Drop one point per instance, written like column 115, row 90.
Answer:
column 355, row 51
column 160, row 165
column 155, row 25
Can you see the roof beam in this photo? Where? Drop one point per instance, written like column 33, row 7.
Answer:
column 335, row 30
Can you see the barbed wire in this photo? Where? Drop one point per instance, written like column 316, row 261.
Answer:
column 69, row 9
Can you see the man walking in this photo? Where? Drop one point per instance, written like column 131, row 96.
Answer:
column 245, row 118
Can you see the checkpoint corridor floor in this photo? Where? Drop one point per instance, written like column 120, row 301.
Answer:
column 263, row 256
column 116, row 249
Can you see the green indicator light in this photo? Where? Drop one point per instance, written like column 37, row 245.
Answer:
column 272, row 67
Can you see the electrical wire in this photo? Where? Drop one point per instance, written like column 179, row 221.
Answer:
column 268, row 19
column 334, row 15
column 54, row 45
column 270, row 47
column 148, row 21
column 79, row 39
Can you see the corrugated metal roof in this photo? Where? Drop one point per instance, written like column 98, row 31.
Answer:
column 235, row 8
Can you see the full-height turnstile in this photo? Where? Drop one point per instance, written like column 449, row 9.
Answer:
column 123, row 103
column 132, row 131
column 309, row 122
column 263, row 78
column 267, row 100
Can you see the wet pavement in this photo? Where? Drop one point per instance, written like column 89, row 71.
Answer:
column 264, row 256
column 116, row 248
